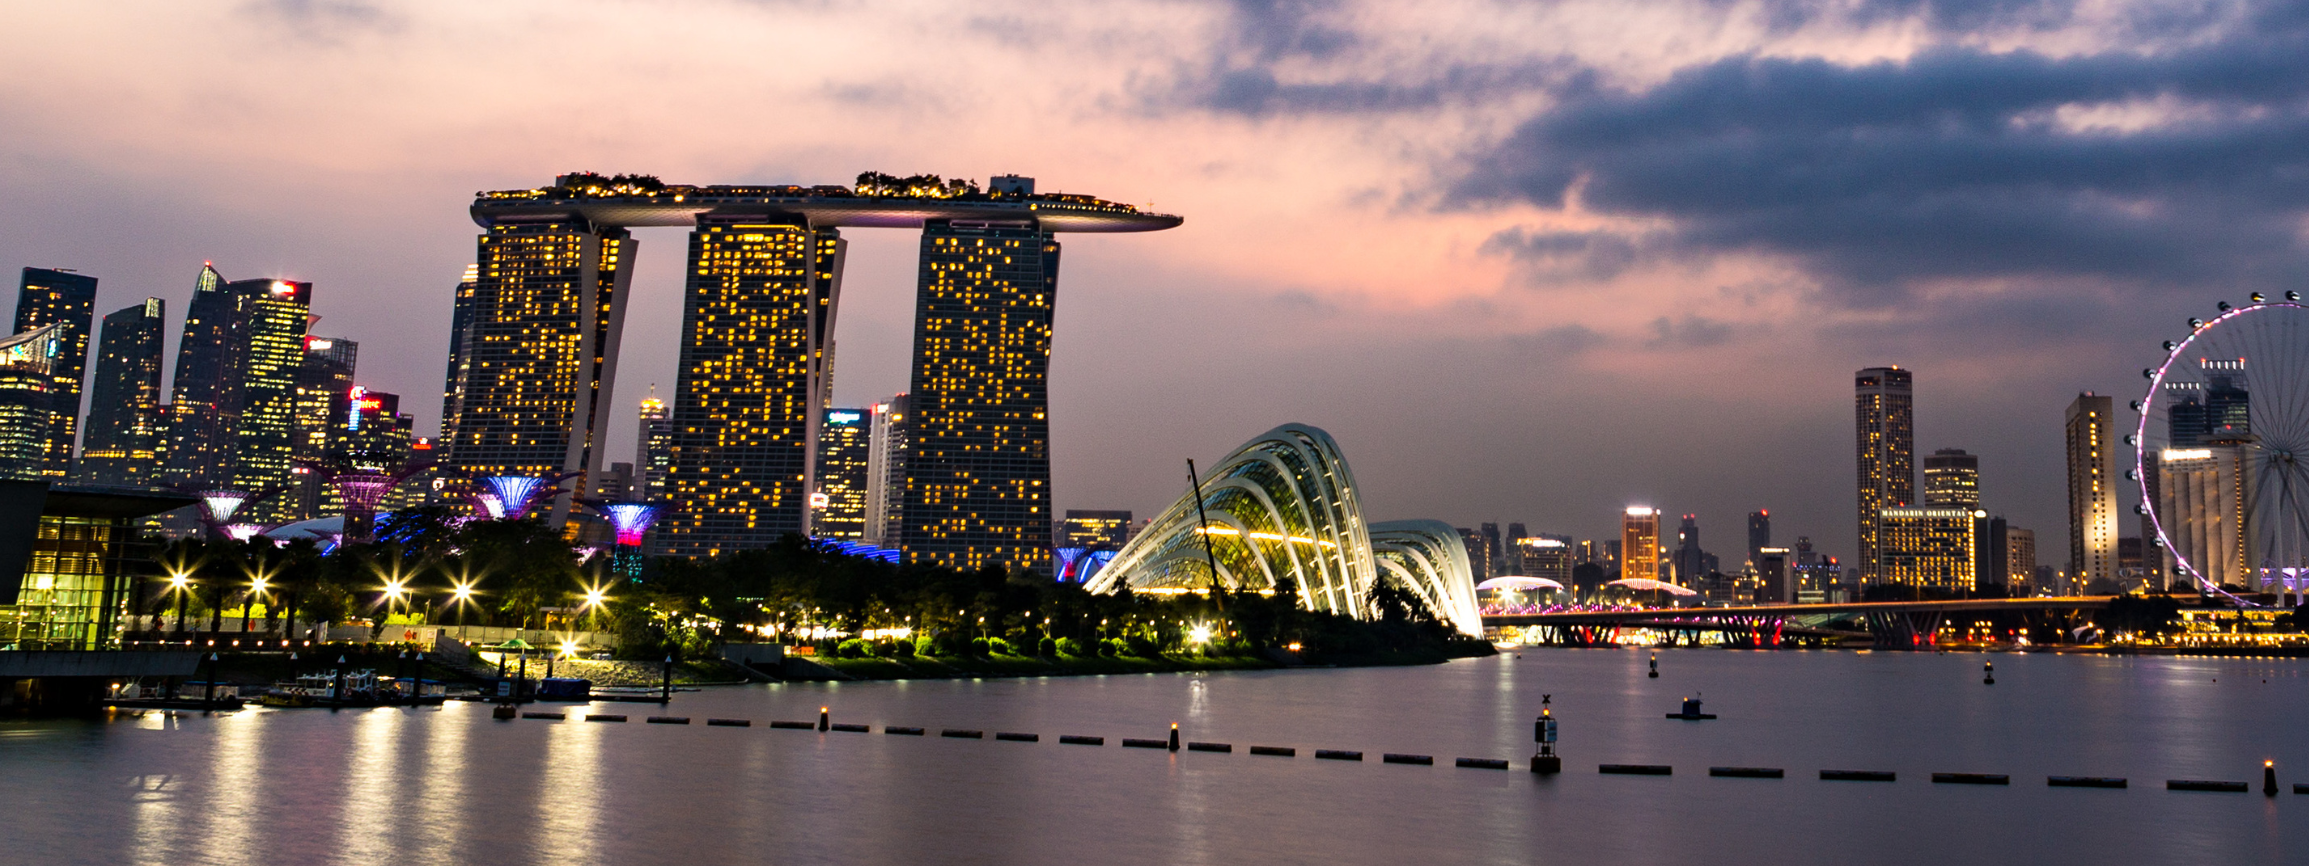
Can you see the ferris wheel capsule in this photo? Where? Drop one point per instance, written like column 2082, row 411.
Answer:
column 2131, row 439
column 2169, row 345
column 2136, row 405
column 2148, row 372
column 2292, row 296
column 2140, row 509
column 2132, row 475
column 2222, row 306
column 2196, row 323
column 2257, row 297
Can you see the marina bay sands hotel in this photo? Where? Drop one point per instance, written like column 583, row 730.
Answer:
column 537, row 329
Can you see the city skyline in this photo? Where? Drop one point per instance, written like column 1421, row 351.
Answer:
column 1383, row 268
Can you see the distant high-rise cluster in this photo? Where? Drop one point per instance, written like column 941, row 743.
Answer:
column 258, row 405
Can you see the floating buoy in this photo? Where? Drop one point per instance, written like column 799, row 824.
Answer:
column 1988, row 672
column 1655, row 664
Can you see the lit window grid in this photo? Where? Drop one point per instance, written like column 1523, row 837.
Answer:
column 544, row 297
column 740, row 428
column 978, row 464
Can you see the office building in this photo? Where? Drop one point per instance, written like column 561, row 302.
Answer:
column 1690, row 562
column 2215, row 404
column 81, row 560
column 1994, row 548
column 1952, row 479
column 1759, row 534
column 2020, row 561
column 653, row 445
column 1929, row 548
column 539, row 355
column 1494, row 553
column 1547, row 558
column 845, row 452
column 460, row 334
column 978, row 444
column 886, row 472
column 28, row 364
column 265, row 447
column 1095, row 530
column 1640, row 543
column 1472, row 542
column 66, row 299
column 746, row 401
column 1818, row 577
column 204, row 403
column 1775, row 577
column 323, row 381
column 2204, row 500
column 2092, row 492
column 1885, row 440
column 124, row 436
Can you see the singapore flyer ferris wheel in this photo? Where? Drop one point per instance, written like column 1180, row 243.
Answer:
column 2222, row 450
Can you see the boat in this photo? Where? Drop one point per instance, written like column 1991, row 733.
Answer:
column 361, row 688
column 1692, row 712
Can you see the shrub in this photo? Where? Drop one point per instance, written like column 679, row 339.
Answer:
column 885, row 649
column 906, row 649
column 1046, row 648
column 1112, row 647
column 1143, row 648
column 980, row 646
column 998, row 646
column 1070, row 646
column 926, row 646
column 853, row 648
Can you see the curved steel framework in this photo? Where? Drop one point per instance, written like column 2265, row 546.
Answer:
column 1283, row 506
column 1428, row 558
column 2222, row 449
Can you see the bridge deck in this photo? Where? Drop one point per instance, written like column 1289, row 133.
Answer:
column 1694, row 615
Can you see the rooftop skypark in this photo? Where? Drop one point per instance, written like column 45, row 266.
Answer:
column 876, row 199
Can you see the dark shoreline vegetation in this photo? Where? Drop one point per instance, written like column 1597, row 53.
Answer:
column 860, row 617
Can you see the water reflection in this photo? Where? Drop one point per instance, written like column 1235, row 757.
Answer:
column 568, row 794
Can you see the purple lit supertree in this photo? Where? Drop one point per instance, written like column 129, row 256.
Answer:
column 218, row 507
column 510, row 497
column 362, row 490
column 632, row 520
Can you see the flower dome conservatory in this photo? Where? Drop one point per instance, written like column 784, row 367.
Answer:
column 1283, row 506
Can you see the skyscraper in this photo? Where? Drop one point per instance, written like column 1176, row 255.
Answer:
column 264, row 449
column 122, row 444
column 1691, row 562
column 323, row 380
column 1952, row 479
column 845, row 450
column 2020, row 560
column 654, row 446
column 460, row 332
column 59, row 297
column 747, row 396
column 886, row 472
column 205, row 396
column 1478, row 562
column 2092, row 491
column 1883, row 412
column 978, row 444
column 27, row 375
column 758, row 354
column 1640, row 543
column 540, row 351
column 1759, row 535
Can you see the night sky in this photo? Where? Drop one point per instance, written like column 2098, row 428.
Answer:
column 1528, row 262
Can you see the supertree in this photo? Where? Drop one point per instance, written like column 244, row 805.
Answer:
column 509, row 497
column 632, row 520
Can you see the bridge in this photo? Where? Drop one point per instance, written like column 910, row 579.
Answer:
column 1893, row 625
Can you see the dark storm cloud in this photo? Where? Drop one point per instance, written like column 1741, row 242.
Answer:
column 1949, row 165
column 1240, row 75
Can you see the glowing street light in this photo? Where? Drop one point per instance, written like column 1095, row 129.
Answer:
column 1200, row 634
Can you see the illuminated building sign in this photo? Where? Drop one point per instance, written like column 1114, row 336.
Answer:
column 2188, row 454
column 842, row 417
